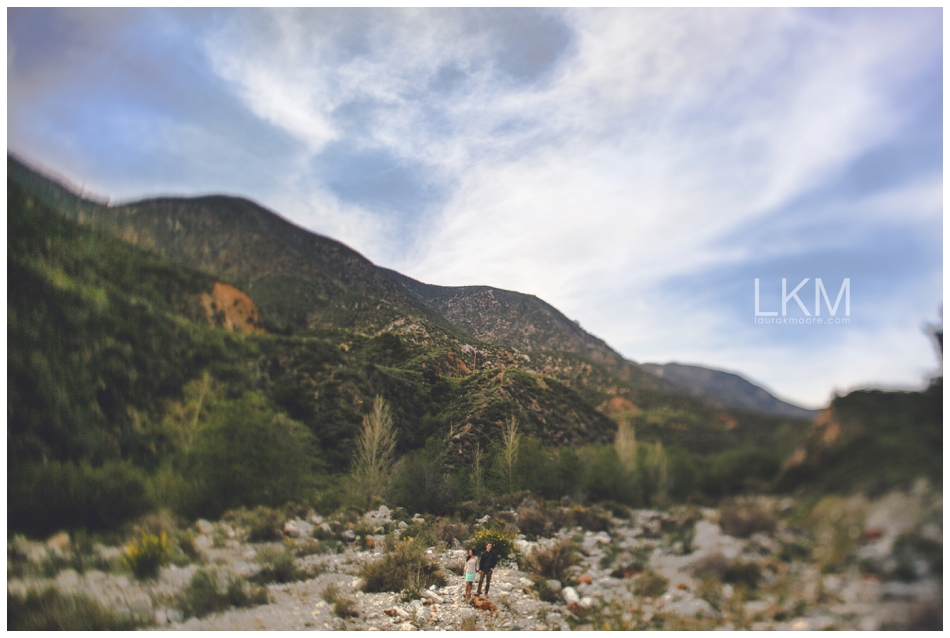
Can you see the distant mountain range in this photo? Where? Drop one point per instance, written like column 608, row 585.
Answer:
column 304, row 281
column 731, row 388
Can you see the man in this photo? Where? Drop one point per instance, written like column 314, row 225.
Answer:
column 485, row 567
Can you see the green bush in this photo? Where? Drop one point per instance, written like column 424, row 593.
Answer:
column 147, row 554
column 203, row 597
column 422, row 483
column 279, row 567
column 245, row 454
column 45, row 498
column 402, row 565
column 49, row 610
column 650, row 584
column 262, row 523
column 736, row 470
column 500, row 535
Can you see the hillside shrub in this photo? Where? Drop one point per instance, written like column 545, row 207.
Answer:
column 405, row 563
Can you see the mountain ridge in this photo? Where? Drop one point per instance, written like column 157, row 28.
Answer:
column 303, row 280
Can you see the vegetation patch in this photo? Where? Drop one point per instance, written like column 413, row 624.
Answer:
column 49, row 610
column 405, row 564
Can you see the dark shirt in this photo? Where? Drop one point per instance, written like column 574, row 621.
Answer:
column 488, row 561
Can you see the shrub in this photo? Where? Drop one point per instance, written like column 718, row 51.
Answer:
column 593, row 518
column 742, row 522
column 397, row 568
column 279, row 567
column 147, row 554
column 469, row 623
column 345, row 608
column 330, row 593
column 747, row 574
column 552, row 561
column 447, row 531
column 262, row 523
column 246, row 454
column 650, row 584
column 534, row 521
column 735, row 470
column 45, row 498
column 50, row 610
column 711, row 566
column 500, row 536
column 203, row 597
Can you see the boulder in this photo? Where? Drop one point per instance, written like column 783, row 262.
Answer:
column 554, row 585
column 298, row 528
column 431, row 595
column 204, row 527
column 59, row 542
column 569, row 594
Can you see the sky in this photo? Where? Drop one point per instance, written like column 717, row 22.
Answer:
column 639, row 169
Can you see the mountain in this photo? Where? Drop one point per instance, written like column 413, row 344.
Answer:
column 315, row 287
column 733, row 390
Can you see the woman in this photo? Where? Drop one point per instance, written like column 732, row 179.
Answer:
column 471, row 566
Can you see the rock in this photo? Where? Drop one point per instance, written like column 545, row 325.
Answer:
column 587, row 602
column 585, row 580
column 161, row 617
column 59, row 542
column 67, row 580
column 526, row 582
column 173, row 615
column 554, row 585
column 203, row 543
column 349, row 535
column 569, row 594
column 298, row 528
column 227, row 529
column 204, row 527
column 407, row 626
column 754, row 607
column 403, row 525
column 431, row 595
column 316, row 519
column 690, row 608
column 484, row 519
column 766, row 544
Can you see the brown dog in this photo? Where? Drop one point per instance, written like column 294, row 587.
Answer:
column 483, row 604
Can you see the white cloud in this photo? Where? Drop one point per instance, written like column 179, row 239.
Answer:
column 660, row 132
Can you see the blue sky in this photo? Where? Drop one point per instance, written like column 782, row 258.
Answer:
column 636, row 168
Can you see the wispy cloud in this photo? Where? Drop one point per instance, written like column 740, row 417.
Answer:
column 613, row 162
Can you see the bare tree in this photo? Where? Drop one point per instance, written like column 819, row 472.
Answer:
column 478, row 472
column 625, row 443
column 509, row 451
column 375, row 448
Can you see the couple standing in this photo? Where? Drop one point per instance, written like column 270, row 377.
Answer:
column 484, row 565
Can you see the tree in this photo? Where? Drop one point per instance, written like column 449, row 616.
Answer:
column 626, row 444
column 509, row 450
column 374, row 451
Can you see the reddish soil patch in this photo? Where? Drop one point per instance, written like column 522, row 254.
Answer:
column 231, row 309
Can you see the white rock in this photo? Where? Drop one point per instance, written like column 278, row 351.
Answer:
column 161, row 617
column 431, row 595
column 526, row 582
column 204, row 527
column 554, row 585
column 298, row 528
column 570, row 596
column 690, row 608
column 203, row 543
column 587, row 602
column 173, row 615
column 227, row 529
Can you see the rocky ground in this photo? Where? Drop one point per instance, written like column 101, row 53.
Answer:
column 857, row 563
